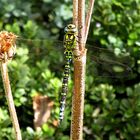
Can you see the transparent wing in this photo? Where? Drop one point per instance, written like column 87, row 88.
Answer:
column 50, row 51
column 107, row 63
column 101, row 62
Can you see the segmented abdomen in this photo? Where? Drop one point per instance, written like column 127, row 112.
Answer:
column 64, row 89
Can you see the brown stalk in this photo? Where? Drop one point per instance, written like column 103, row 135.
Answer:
column 75, row 12
column 80, row 68
column 79, row 78
column 81, row 23
column 7, row 51
column 88, row 18
column 10, row 101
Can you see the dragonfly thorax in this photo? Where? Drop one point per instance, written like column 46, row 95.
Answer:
column 70, row 37
column 69, row 41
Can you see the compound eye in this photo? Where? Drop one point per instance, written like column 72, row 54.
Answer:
column 66, row 29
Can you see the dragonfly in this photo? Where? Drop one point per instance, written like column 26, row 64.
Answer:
column 102, row 63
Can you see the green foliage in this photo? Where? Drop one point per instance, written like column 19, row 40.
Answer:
column 112, row 108
column 5, row 125
column 111, row 117
column 114, row 111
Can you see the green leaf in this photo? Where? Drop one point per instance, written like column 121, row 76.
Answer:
column 133, row 35
column 118, row 69
column 112, row 39
column 48, row 130
column 112, row 136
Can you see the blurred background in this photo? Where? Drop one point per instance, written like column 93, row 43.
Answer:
column 112, row 101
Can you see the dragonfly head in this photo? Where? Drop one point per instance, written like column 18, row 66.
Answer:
column 70, row 28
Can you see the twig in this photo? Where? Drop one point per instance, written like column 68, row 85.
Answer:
column 75, row 12
column 7, row 51
column 88, row 18
column 9, row 97
column 81, row 23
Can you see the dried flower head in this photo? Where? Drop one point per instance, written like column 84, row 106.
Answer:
column 7, row 45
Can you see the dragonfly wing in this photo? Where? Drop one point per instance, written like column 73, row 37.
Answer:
column 49, row 49
column 101, row 62
column 107, row 63
column 40, row 46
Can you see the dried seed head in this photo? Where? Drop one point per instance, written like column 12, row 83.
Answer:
column 7, row 45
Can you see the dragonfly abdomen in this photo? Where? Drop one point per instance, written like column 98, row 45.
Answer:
column 64, row 90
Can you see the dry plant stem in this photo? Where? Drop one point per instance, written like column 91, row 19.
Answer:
column 10, row 101
column 88, row 18
column 81, row 23
column 79, row 78
column 78, row 98
column 75, row 12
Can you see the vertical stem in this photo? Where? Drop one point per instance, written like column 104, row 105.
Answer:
column 75, row 12
column 88, row 18
column 79, row 78
column 81, row 23
column 10, row 101
column 78, row 98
